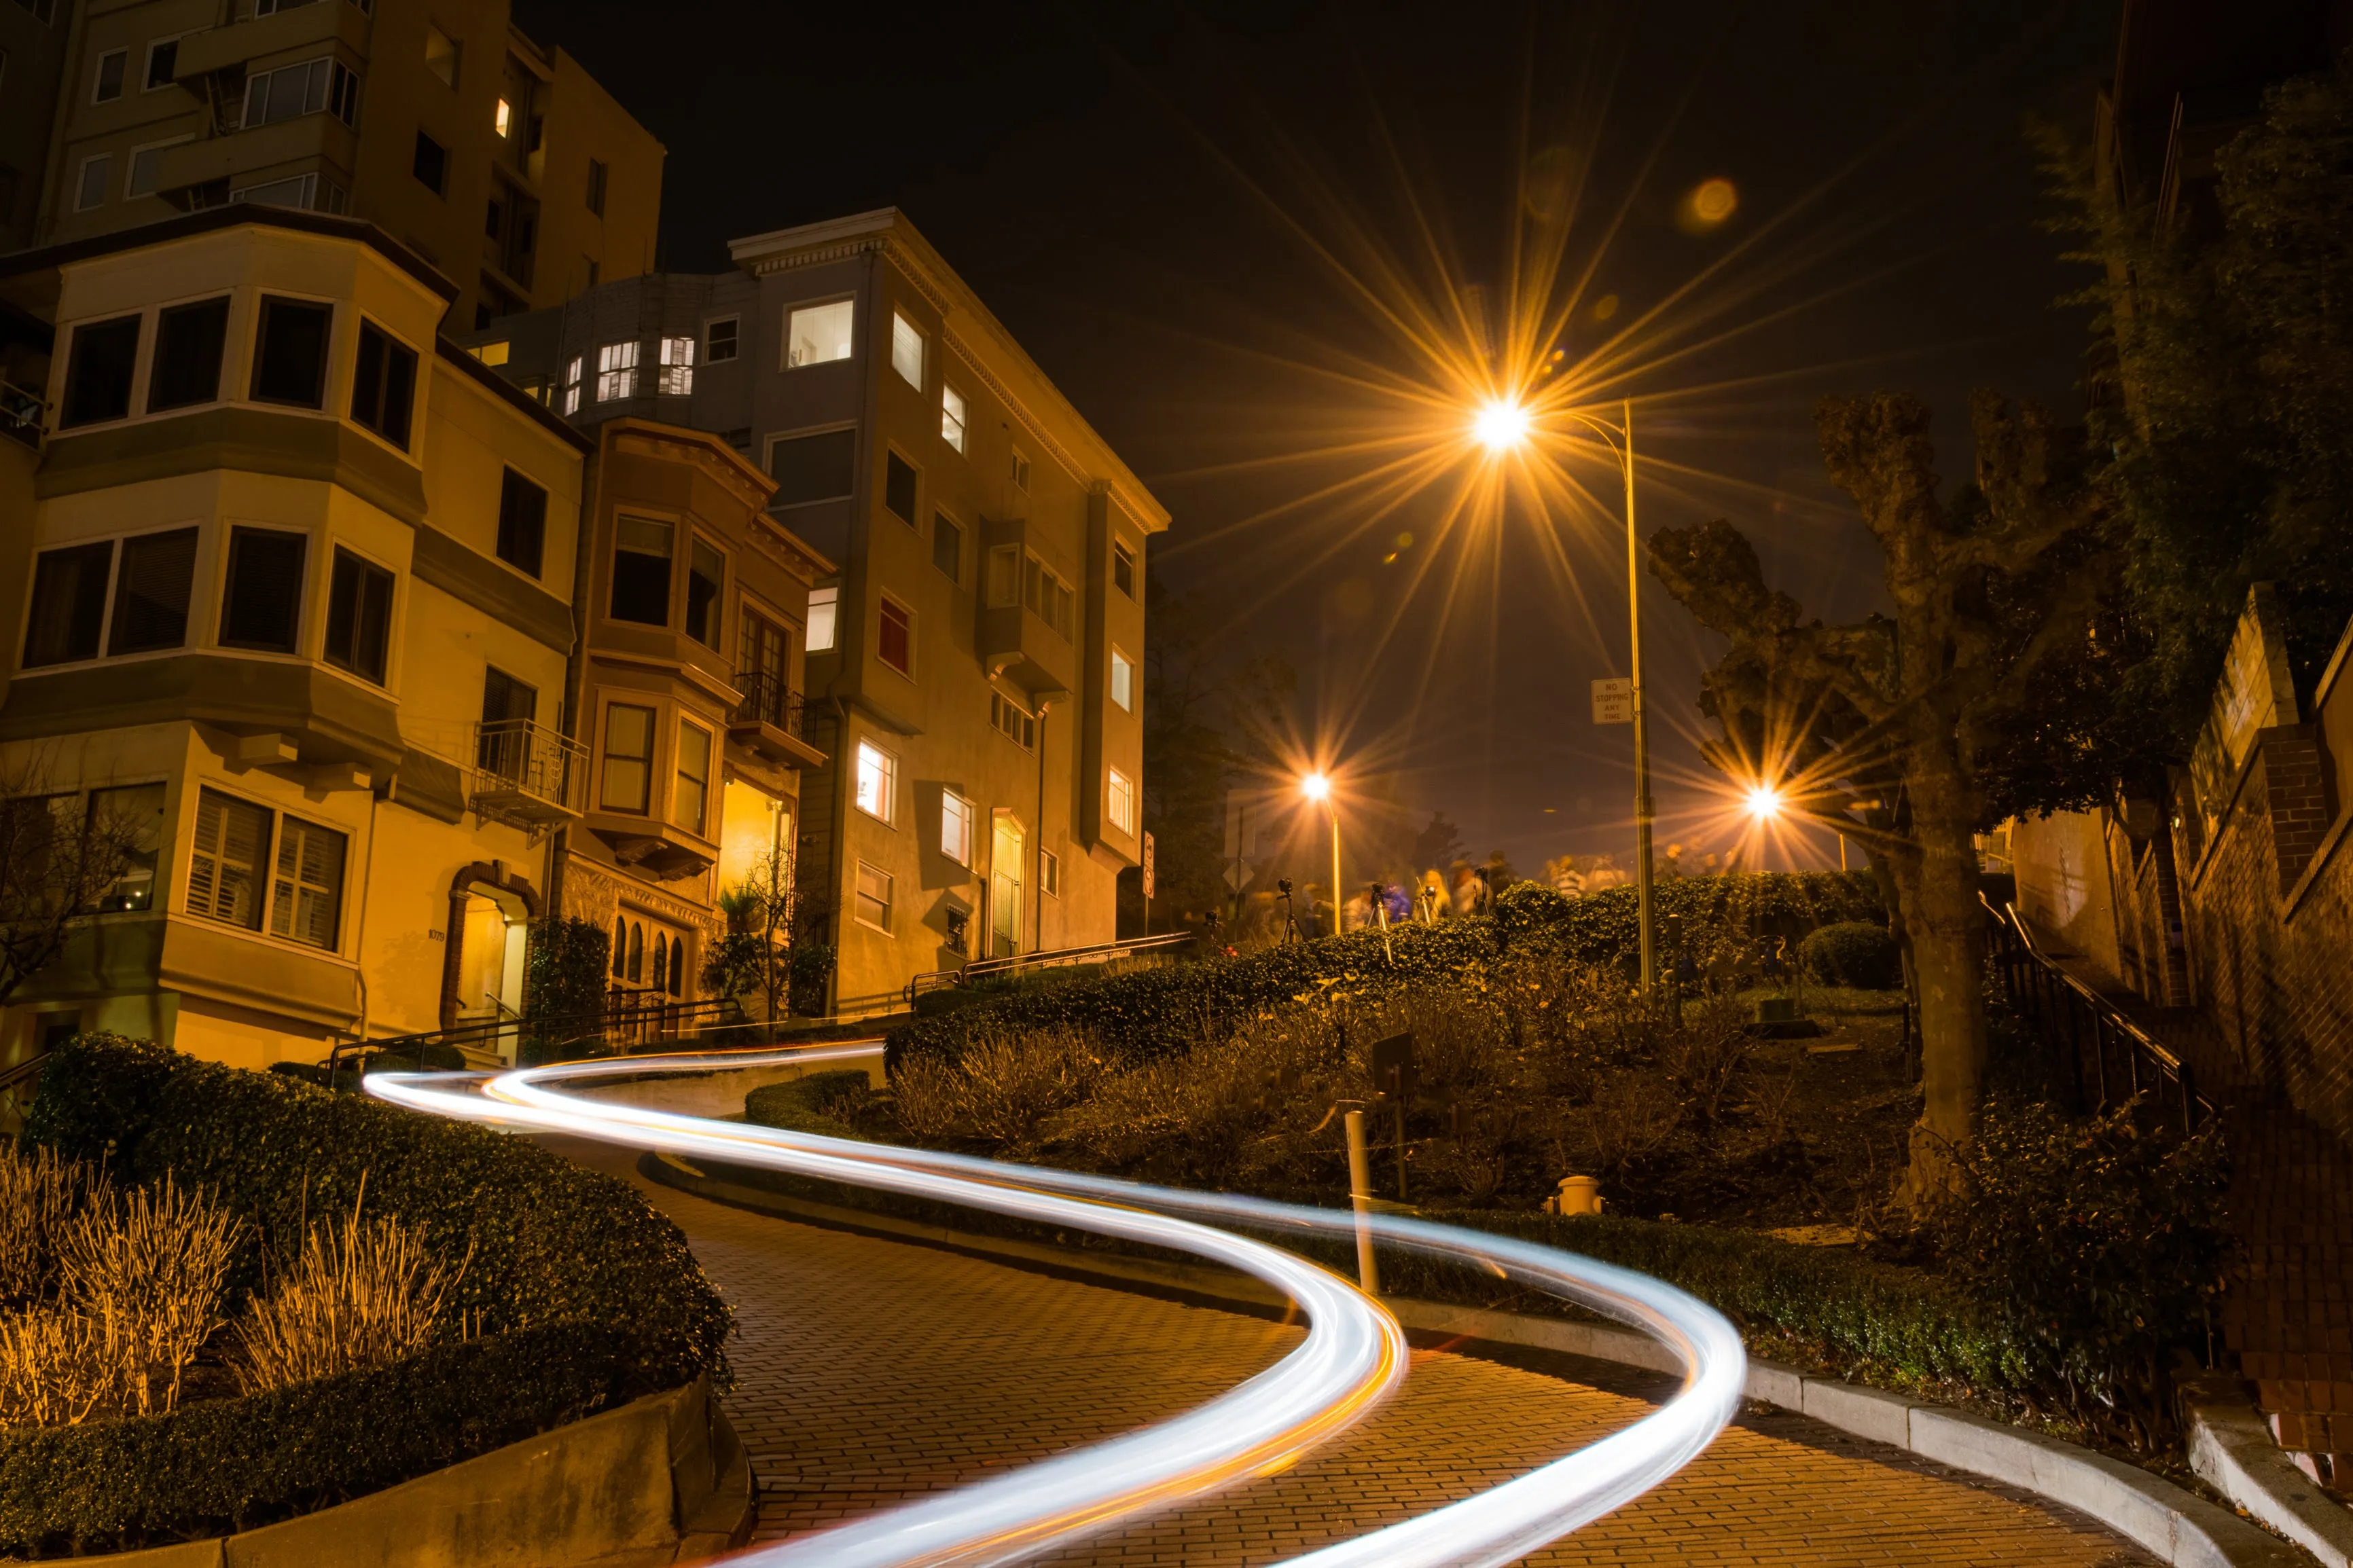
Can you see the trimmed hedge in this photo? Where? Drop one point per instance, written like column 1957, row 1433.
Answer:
column 1147, row 1012
column 583, row 1297
column 1857, row 953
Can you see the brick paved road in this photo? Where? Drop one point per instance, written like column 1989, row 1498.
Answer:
column 874, row 1370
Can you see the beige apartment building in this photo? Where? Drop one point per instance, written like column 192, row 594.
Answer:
column 974, row 660
column 503, row 166
column 265, row 587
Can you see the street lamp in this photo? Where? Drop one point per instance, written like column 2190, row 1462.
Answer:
column 1317, row 787
column 1764, row 802
column 1502, row 426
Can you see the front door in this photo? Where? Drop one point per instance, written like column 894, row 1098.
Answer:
column 760, row 674
column 1005, row 889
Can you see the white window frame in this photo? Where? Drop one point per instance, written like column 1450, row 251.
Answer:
column 676, row 378
column 848, row 345
column 131, row 164
column 955, row 416
column 1050, row 873
column 824, row 620
column 99, row 76
column 1020, row 475
column 735, row 343
column 879, row 767
column 147, row 66
column 572, row 384
column 81, row 182
column 1122, row 679
column 858, row 894
column 955, row 828
column 908, row 341
column 1119, row 800
column 890, row 601
column 616, row 370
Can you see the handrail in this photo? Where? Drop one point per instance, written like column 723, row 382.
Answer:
column 1046, row 958
column 2057, row 1003
column 631, row 1024
column 10, row 1077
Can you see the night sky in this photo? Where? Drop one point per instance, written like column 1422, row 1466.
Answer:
column 1204, row 221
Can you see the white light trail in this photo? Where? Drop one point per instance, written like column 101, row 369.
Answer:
column 1352, row 1358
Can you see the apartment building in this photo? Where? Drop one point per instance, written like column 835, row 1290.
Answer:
column 268, row 604
column 974, row 661
column 503, row 164
column 32, row 36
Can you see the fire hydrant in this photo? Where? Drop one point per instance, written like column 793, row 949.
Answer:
column 1578, row 1194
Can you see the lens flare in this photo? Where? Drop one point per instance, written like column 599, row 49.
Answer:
column 1764, row 802
column 1315, row 787
column 1501, row 425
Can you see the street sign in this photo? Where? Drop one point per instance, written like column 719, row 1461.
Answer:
column 1147, row 864
column 1393, row 1067
column 1613, row 702
column 1238, row 875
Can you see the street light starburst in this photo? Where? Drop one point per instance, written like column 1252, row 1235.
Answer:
column 1501, row 425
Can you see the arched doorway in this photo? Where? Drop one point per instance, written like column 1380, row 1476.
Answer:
column 488, row 936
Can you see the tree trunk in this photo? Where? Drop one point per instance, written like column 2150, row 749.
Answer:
column 1947, row 929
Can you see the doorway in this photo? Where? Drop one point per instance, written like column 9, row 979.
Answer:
column 1004, row 887
column 491, row 937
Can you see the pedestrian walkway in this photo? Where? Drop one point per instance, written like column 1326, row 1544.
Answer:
column 871, row 1370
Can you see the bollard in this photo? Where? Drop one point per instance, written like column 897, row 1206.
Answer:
column 1360, row 1198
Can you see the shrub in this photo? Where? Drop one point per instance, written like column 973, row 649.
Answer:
column 40, row 1195
column 828, row 1103
column 358, row 1294
column 1853, row 953
column 580, row 1296
column 148, row 1268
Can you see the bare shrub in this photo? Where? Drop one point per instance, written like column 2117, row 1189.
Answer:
column 1633, row 1117
column 359, row 1293
column 1002, row 1088
column 40, row 1194
column 57, row 1368
column 1703, row 1053
column 924, row 1096
column 149, row 1269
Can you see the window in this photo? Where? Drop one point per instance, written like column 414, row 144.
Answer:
column 719, row 340
column 262, row 607
column 289, row 354
column 430, row 164
column 112, row 67
column 188, row 342
column 147, row 166
column 384, row 384
column 1003, row 588
column 1122, row 792
column 303, row 192
column 629, row 757
column 163, row 54
column 641, row 550
column 616, row 372
column 620, row 948
column 947, row 546
column 1123, row 567
column 907, row 351
column 1012, row 723
column 45, row 12
column 596, row 178
column 225, row 870
column 899, row 488
column 135, row 810
column 152, row 587
column 706, row 574
column 523, row 522
column 292, row 91
column 306, row 902
column 952, row 417
column 825, row 604
column 878, row 770
column 819, row 334
column 955, row 828
column 894, row 642
column 1122, row 680
column 89, row 189
column 502, row 745
column 359, row 616
column 1020, row 472
column 676, row 376
column 685, row 803
column 502, row 119
column 591, row 263
column 69, row 614
column 873, row 903
column 572, row 385
column 441, row 55
column 1050, row 873
column 491, row 354
column 636, row 947
column 97, row 373
column 1050, row 599
column 816, row 468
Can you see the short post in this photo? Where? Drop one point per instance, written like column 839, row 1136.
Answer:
column 1360, row 1198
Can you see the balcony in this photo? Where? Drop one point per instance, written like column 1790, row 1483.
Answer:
column 769, row 720
column 20, row 415
column 526, row 774
column 309, row 140
column 291, row 28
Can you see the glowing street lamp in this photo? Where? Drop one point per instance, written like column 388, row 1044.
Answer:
column 1502, row 426
column 1317, row 787
column 1764, row 802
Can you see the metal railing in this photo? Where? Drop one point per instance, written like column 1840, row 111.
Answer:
column 981, row 969
column 16, row 1104
column 527, row 768
column 2110, row 1058
column 769, row 700
column 629, row 1019
column 20, row 413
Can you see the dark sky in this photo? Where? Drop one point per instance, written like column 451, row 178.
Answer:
column 1206, row 222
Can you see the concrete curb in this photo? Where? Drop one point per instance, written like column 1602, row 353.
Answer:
column 2153, row 1513
column 2233, row 1450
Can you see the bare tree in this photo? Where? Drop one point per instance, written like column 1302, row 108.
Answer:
column 59, row 862
column 1927, row 720
column 756, row 954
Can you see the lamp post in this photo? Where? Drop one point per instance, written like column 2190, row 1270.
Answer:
column 1502, row 426
column 1317, row 787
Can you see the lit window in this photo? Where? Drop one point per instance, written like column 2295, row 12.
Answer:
column 819, row 334
column 955, row 828
column 227, row 866
column 629, row 757
column 677, row 367
column 824, row 605
column 1050, row 873
column 503, row 118
column 1122, row 568
column 873, row 906
column 572, row 385
column 952, row 417
column 877, row 771
column 616, row 372
column 491, row 354
column 1122, row 680
column 309, row 886
column 719, row 340
column 685, row 803
column 1123, row 802
column 895, row 643
column 907, row 352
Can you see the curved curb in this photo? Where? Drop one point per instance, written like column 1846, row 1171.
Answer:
column 2153, row 1513
column 2233, row 1450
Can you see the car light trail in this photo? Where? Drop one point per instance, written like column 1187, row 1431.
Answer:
column 1352, row 1356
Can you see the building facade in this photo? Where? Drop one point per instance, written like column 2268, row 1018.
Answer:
column 503, row 164
column 974, row 664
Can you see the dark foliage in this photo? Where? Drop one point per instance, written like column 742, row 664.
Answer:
column 1853, row 953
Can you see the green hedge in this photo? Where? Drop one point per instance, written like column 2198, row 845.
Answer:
column 1146, row 1011
column 584, row 1297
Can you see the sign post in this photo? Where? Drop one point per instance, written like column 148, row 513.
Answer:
column 1147, row 884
